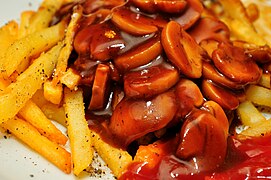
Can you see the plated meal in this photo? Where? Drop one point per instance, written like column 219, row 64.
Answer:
column 159, row 89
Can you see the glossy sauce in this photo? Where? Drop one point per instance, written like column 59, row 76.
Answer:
column 245, row 159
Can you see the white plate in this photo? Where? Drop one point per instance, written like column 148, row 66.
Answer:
column 17, row 161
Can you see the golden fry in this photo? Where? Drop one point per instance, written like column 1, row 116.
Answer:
column 42, row 18
column 68, row 42
column 48, row 149
column 249, row 114
column 116, row 159
column 54, row 112
column 18, row 93
column 53, row 93
column 24, row 23
column 259, row 95
column 78, row 131
column 34, row 115
column 29, row 46
column 8, row 34
column 260, row 129
column 239, row 23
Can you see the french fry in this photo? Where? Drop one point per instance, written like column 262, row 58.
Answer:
column 54, row 112
column 44, row 15
column 53, row 93
column 24, row 23
column 29, row 46
column 68, row 44
column 39, row 99
column 116, row 159
column 260, row 129
column 34, row 115
column 18, row 93
column 70, row 78
column 239, row 23
column 265, row 80
column 78, row 131
column 249, row 114
column 8, row 34
column 259, row 95
column 48, row 149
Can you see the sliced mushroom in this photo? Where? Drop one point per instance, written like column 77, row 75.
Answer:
column 210, row 72
column 225, row 98
column 210, row 28
column 209, row 46
column 133, row 118
column 182, row 50
column 216, row 110
column 130, row 22
column 190, row 16
column 202, row 141
column 91, row 6
column 166, row 6
column 188, row 96
column 100, row 87
column 101, row 41
column 149, row 82
column 139, row 55
column 235, row 64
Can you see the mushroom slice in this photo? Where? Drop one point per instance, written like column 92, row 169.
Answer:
column 202, row 141
column 225, row 98
column 139, row 55
column 149, row 82
column 216, row 110
column 191, row 15
column 130, row 22
column 100, row 87
column 182, row 50
column 210, row 72
column 235, row 64
column 102, row 41
column 188, row 95
column 166, row 6
column 133, row 118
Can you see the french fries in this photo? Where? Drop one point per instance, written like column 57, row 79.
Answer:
column 62, row 62
column 31, row 45
column 44, row 15
column 48, row 149
column 37, row 85
column 15, row 96
column 78, row 131
column 34, row 115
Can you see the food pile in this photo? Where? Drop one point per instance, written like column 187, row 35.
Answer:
column 157, row 88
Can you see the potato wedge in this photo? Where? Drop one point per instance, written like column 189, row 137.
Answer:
column 34, row 115
column 18, row 93
column 78, row 131
column 29, row 46
column 116, row 159
column 48, row 149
